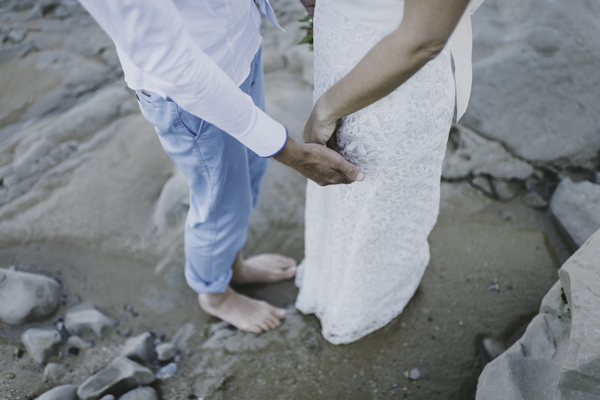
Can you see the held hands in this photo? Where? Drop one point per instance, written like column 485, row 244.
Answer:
column 318, row 163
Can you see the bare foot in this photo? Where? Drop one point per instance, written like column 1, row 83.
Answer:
column 263, row 268
column 242, row 312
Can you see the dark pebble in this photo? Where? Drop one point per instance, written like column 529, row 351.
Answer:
column 192, row 396
column 18, row 352
column 73, row 351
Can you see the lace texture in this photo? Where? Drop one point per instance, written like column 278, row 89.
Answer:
column 366, row 244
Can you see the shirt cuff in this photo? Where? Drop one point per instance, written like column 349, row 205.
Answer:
column 266, row 137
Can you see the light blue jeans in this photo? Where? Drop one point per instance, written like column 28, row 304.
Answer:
column 224, row 179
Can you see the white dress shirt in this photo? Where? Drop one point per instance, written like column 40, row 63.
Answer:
column 197, row 53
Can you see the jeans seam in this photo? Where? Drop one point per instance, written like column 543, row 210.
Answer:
column 210, row 192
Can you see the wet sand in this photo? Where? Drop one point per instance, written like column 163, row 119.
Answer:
column 491, row 265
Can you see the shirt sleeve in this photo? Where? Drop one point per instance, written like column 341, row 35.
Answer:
column 152, row 36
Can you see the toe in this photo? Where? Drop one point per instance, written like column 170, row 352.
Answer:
column 263, row 326
column 270, row 323
column 252, row 329
column 274, row 322
column 279, row 313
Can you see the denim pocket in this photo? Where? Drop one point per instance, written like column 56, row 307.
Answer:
column 189, row 121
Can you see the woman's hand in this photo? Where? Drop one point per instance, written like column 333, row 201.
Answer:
column 319, row 128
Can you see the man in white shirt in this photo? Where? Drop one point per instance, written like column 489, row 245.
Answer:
column 197, row 73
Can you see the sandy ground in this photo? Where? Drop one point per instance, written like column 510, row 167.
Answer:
column 476, row 243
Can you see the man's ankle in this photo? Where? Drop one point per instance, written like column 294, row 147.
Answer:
column 212, row 299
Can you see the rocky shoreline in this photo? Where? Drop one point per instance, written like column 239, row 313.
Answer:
column 91, row 214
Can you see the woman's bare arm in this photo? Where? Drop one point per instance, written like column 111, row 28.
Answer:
column 420, row 37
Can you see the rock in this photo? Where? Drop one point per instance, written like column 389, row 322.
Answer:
column 506, row 190
column 119, row 376
column 25, row 297
column 143, row 393
column 483, row 183
column 85, row 317
column 75, row 342
column 167, row 371
column 492, row 349
column 469, row 153
column 414, row 374
column 140, row 348
column 64, row 392
column 108, row 397
column 183, row 335
column 576, row 207
column 17, row 35
column 533, row 74
column 534, row 200
column 558, row 356
column 51, row 372
column 166, row 351
column 41, row 343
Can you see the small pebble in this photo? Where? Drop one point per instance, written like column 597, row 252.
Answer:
column 415, row 374
column 18, row 352
column 167, row 371
column 494, row 287
column 192, row 396
column 125, row 332
column 73, row 351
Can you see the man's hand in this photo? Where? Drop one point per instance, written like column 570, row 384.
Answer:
column 310, row 6
column 318, row 163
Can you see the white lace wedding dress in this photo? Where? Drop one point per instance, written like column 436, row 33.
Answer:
column 366, row 243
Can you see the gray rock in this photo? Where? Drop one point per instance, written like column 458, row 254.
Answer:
column 108, row 397
column 576, row 207
column 41, row 343
column 166, row 351
column 534, row 200
column 17, row 34
column 469, row 153
column 506, row 190
column 51, row 372
column 558, row 356
column 533, row 79
column 118, row 377
column 64, row 392
column 167, row 371
column 140, row 348
column 76, row 341
column 84, row 318
column 143, row 393
column 183, row 335
column 492, row 348
column 25, row 297
column 414, row 374
column 483, row 183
